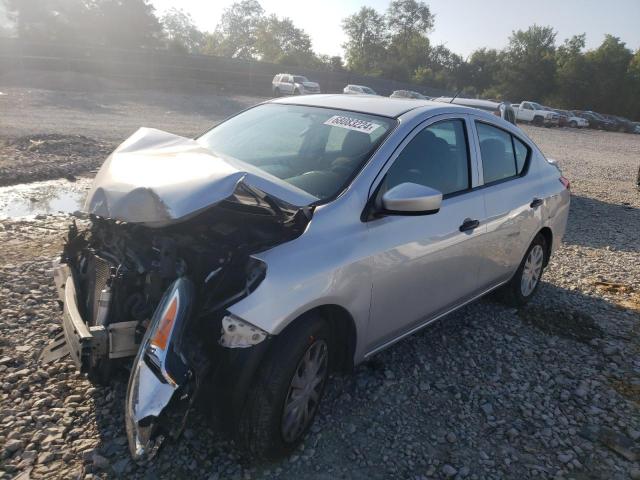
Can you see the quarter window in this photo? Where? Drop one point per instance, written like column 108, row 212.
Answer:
column 503, row 156
column 436, row 157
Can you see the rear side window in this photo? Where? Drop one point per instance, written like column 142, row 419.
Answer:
column 503, row 155
column 436, row 157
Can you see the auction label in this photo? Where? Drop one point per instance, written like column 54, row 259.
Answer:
column 352, row 124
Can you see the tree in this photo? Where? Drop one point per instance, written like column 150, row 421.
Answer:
column 530, row 63
column 43, row 21
column 572, row 73
column 407, row 19
column 331, row 63
column 238, row 29
column 485, row 68
column 366, row 43
column 280, row 41
column 181, row 33
column 609, row 81
column 127, row 24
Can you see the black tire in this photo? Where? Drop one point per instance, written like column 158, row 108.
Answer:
column 573, row 124
column 296, row 92
column 260, row 430
column 276, row 92
column 511, row 293
column 538, row 121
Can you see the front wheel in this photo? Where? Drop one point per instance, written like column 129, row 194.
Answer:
column 526, row 280
column 573, row 124
column 287, row 391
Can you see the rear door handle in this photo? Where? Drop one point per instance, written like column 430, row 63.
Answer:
column 536, row 203
column 469, row 224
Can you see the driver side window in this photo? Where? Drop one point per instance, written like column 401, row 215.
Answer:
column 437, row 157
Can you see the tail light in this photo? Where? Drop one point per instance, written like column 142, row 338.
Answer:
column 497, row 113
column 565, row 181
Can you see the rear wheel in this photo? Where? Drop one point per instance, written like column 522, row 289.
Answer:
column 276, row 92
column 287, row 390
column 526, row 280
column 538, row 121
column 296, row 92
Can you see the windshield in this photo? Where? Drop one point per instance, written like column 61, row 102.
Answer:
column 318, row 150
column 368, row 90
column 298, row 79
column 537, row 106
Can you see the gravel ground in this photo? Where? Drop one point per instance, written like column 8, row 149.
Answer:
column 549, row 391
column 59, row 133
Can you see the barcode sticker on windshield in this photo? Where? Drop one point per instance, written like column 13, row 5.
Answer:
column 352, row 124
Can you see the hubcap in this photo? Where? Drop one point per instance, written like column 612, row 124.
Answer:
column 532, row 270
column 304, row 391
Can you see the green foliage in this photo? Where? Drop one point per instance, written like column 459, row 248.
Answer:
column 181, row 33
column 366, row 46
column 394, row 45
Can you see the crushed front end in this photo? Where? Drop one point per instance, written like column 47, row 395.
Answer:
column 160, row 294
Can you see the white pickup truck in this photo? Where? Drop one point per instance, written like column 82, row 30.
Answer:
column 535, row 113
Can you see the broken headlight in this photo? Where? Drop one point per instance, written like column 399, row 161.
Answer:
column 159, row 370
column 236, row 333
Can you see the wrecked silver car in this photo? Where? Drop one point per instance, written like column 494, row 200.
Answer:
column 295, row 239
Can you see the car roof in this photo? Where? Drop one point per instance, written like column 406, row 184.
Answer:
column 374, row 105
column 471, row 102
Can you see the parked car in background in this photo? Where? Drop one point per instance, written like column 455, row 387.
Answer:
column 359, row 90
column 535, row 113
column 247, row 272
column 503, row 110
column 287, row 84
column 621, row 124
column 596, row 120
column 568, row 119
column 637, row 127
column 409, row 94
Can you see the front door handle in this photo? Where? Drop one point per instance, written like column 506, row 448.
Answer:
column 536, row 203
column 469, row 224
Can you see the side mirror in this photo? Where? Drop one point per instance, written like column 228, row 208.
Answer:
column 411, row 199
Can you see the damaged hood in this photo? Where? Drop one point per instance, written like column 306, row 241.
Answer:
column 157, row 178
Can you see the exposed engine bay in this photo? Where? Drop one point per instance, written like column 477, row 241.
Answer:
column 161, row 294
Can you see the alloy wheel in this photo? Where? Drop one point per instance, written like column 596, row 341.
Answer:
column 304, row 391
column 532, row 270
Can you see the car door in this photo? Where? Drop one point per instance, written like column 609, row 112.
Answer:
column 289, row 84
column 527, row 111
column 423, row 266
column 512, row 206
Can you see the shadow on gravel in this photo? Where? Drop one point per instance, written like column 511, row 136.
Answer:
column 563, row 322
column 471, row 365
column 616, row 225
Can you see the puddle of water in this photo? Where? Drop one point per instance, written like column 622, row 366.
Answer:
column 53, row 196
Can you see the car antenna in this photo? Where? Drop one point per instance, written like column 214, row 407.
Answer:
column 455, row 96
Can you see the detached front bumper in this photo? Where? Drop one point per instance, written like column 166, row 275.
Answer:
column 86, row 345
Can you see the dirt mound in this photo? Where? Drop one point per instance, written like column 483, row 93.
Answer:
column 63, row 145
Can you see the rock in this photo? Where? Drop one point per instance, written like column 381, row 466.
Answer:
column 448, row 471
column 45, row 457
column 564, row 457
column 23, row 348
column 99, row 461
column 120, row 466
column 11, row 447
column 451, row 437
column 634, row 473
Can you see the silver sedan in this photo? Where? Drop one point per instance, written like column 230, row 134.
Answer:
column 299, row 237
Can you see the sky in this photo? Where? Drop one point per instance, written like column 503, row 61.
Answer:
column 462, row 25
